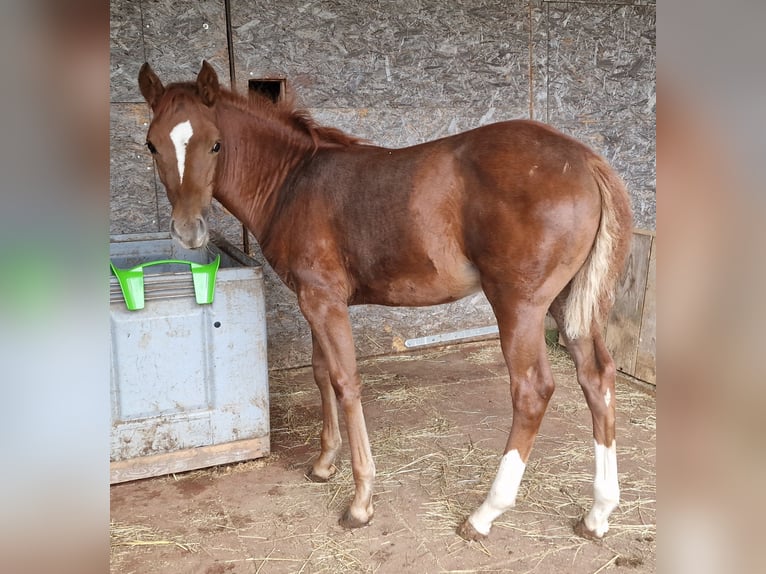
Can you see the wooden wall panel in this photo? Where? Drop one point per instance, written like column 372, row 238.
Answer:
column 624, row 326
column 646, row 356
column 630, row 332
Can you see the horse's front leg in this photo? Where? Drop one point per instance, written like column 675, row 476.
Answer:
column 331, row 328
column 324, row 468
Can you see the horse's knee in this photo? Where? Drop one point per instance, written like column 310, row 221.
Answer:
column 348, row 394
column 347, row 385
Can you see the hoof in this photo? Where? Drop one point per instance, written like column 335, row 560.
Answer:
column 316, row 478
column 351, row 522
column 466, row 531
column 583, row 531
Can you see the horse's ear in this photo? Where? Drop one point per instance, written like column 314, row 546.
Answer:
column 150, row 85
column 207, row 84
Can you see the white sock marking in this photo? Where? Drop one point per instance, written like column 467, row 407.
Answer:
column 180, row 136
column 502, row 495
column 606, row 489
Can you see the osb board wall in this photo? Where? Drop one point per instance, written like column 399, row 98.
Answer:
column 397, row 73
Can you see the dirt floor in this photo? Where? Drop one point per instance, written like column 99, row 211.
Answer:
column 438, row 422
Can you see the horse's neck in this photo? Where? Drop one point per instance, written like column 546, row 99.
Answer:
column 254, row 169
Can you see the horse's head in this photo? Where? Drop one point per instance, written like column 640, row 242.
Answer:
column 184, row 140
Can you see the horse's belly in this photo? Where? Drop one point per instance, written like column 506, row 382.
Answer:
column 432, row 285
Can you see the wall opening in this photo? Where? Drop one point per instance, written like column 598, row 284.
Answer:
column 272, row 88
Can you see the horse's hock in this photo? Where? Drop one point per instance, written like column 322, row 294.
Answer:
column 189, row 381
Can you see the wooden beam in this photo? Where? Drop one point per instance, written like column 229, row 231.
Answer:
column 188, row 459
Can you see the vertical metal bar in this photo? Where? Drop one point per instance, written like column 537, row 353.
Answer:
column 531, row 63
column 233, row 83
column 230, row 45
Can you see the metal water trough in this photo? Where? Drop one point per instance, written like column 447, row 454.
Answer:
column 189, row 381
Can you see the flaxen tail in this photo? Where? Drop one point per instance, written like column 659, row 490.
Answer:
column 591, row 292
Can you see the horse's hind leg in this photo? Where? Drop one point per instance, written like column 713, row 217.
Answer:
column 523, row 343
column 323, row 468
column 596, row 375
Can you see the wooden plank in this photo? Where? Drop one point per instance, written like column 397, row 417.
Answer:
column 188, row 459
column 646, row 357
column 624, row 324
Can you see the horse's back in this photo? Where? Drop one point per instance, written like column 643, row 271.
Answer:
column 517, row 157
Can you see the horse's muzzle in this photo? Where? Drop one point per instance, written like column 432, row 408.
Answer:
column 190, row 234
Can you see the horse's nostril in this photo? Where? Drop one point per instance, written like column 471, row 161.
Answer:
column 201, row 226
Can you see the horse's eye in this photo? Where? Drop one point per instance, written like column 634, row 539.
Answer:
column 216, row 147
column 151, row 147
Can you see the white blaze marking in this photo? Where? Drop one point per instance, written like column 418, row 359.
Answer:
column 180, row 136
column 606, row 489
column 502, row 495
column 608, row 398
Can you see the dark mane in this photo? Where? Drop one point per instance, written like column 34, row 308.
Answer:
column 322, row 134
column 283, row 111
column 286, row 112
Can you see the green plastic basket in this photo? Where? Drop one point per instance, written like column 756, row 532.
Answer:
column 132, row 280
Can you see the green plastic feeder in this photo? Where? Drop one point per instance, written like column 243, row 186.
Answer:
column 132, row 281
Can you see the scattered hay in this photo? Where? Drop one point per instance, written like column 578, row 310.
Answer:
column 373, row 380
column 334, row 554
column 413, row 355
column 465, row 476
column 433, row 456
column 486, row 354
column 399, row 453
column 458, row 478
column 558, row 484
column 327, row 555
column 132, row 535
column 402, row 397
column 226, row 469
column 295, row 411
column 407, row 397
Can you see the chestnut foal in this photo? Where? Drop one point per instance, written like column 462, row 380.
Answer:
column 534, row 218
